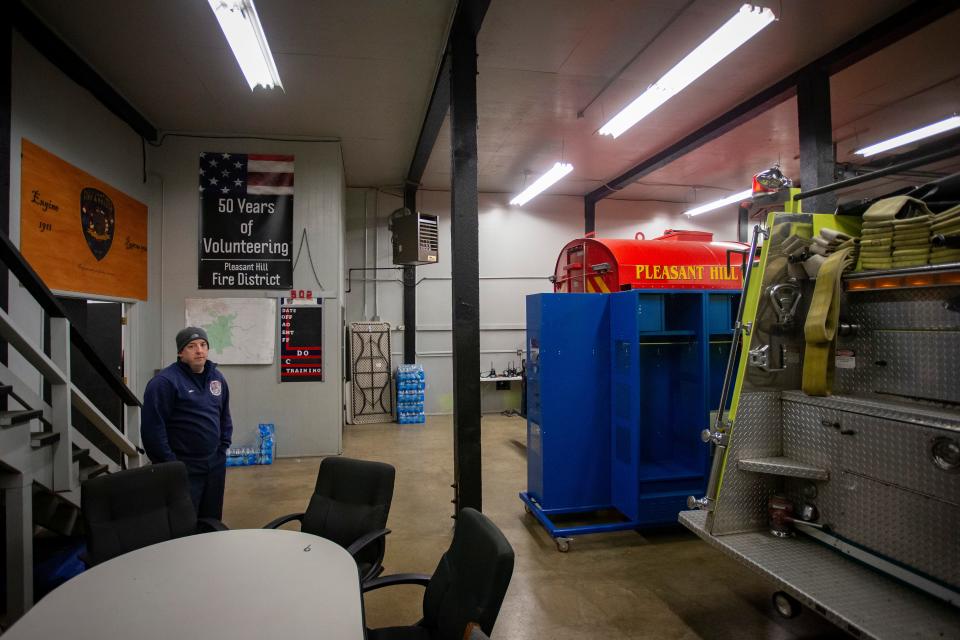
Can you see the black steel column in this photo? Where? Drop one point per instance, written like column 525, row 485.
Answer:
column 464, row 235
column 589, row 215
column 410, row 291
column 5, row 66
column 816, row 138
column 743, row 223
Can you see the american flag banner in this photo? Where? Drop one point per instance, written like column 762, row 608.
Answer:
column 246, row 221
column 234, row 174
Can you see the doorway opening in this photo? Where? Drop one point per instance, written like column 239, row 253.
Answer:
column 102, row 324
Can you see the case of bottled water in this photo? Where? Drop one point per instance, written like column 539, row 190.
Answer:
column 411, row 387
column 262, row 453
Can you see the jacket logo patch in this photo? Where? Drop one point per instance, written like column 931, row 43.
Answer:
column 215, row 387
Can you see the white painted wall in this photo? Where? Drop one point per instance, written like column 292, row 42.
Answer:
column 52, row 111
column 307, row 415
column 518, row 250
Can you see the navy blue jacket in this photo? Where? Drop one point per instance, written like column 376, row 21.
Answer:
column 186, row 416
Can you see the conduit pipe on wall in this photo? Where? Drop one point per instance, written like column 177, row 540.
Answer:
column 376, row 253
column 366, row 249
column 447, row 354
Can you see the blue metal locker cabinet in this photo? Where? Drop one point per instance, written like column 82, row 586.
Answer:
column 619, row 387
column 669, row 349
column 568, row 403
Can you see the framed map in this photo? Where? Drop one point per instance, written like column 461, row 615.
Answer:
column 240, row 330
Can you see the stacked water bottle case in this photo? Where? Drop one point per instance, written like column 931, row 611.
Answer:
column 410, row 393
column 262, row 453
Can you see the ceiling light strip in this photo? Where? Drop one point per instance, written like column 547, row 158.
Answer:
column 556, row 172
column 241, row 25
column 948, row 124
column 744, row 25
column 710, row 206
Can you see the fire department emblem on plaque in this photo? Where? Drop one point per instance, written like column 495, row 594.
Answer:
column 98, row 221
column 215, row 387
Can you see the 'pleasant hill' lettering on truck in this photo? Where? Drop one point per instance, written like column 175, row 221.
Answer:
column 685, row 272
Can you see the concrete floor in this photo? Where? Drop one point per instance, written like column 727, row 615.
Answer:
column 661, row 584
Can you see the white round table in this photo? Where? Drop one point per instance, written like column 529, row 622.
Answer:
column 245, row 583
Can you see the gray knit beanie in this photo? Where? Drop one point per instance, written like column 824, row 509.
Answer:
column 184, row 336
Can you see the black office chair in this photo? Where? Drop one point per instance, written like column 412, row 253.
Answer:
column 467, row 586
column 350, row 505
column 474, row 632
column 135, row 508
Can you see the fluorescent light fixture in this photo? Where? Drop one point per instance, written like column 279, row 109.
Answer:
column 737, row 30
column 556, row 172
column 241, row 25
column 911, row 136
column 710, row 206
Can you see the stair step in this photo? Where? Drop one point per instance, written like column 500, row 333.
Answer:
column 79, row 453
column 11, row 418
column 38, row 440
column 783, row 466
column 93, row 472
column 44, row 505
column 64, row 519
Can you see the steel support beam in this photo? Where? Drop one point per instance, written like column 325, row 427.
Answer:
column 589, row 216
column 816, row 139
column 743, row 222
column 410, row 290
column 74, row 67
column 472, row 12
column 465, row 266
column 901, row 24
column 432, row 122
column 455, row 89
column 6, row 60
column 743, row 112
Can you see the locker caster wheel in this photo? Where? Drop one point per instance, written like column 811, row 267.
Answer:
column 563, row 544
column 786, row 605
column 526, row 508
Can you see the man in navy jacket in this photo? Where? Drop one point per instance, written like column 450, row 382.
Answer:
column 186, row 417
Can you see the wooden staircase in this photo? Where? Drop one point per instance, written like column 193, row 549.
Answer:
column 44, row 459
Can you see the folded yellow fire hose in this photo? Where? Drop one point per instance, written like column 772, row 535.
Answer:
column 820, row 328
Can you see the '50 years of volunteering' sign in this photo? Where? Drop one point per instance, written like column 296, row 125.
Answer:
column 246, row 221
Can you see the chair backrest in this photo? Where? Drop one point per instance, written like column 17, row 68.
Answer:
column 135, row 508
column 351, row 498
column 471, row 579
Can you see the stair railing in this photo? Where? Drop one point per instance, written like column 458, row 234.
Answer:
column 39, row 446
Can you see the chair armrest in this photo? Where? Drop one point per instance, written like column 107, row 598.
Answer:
column 361, row 543
column 399, row 578
column 273, row 524
column 206, row 525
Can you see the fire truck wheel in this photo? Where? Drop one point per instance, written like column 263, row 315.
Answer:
column 786, row 605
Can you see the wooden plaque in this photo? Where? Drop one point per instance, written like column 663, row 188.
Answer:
column 78, row 233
